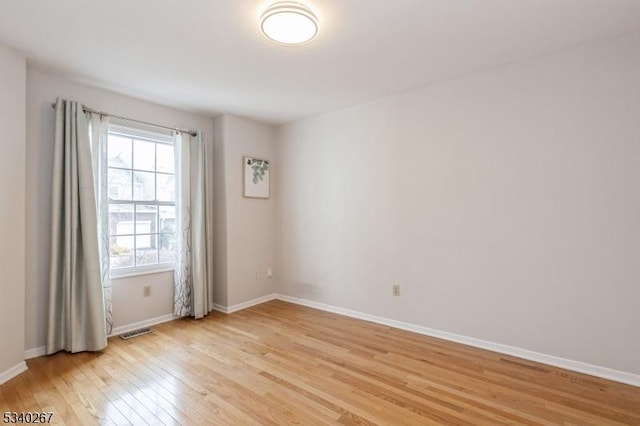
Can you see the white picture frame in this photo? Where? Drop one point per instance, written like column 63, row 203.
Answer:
column 256, row 181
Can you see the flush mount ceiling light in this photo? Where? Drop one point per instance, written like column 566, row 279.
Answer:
column 289, row 22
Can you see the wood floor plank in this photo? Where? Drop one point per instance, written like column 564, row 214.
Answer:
column 279, row 363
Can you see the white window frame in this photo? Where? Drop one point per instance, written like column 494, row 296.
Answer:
column 149, row 136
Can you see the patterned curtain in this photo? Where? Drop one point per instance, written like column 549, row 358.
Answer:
column 99, row 126
column 193, row 271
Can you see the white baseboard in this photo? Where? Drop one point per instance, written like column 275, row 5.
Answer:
column 35, row 352
column 577, row 366
column 13, row 372
column 244, row 305
column 42, row 350
column 140, row 324
column 219, row 308
column 580, row 367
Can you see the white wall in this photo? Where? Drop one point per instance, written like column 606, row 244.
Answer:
column 506, row 204
column 220, row 294
column 12, row 195
column 249, row 238
column 129, row 305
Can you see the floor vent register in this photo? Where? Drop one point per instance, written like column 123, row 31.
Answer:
column 135, row 333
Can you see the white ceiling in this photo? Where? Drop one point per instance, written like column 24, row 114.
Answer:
column 208, row 56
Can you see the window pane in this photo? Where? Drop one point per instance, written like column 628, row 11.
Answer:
column 119, row 184
column 167, row 222
column 167, row 248
column 146, row 249
column 141, row 174
column 119, row 151
column 166, row 188
column 120, row 219
column 166, row 225
column 144, row 155
column 144, row 186
column 121, row 252
column 146, row 219
column 165, row 158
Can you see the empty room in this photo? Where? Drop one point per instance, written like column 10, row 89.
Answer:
column 385, row 212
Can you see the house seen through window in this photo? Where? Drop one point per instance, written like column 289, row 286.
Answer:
column 142, row 200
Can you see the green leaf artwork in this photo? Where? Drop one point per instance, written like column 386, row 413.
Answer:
column 259, row 167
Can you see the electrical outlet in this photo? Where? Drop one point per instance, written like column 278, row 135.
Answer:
column 147, row 291
column 257, row 276
column 396, row 289
column 269, row 273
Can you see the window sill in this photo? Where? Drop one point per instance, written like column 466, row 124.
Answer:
column 134, row 272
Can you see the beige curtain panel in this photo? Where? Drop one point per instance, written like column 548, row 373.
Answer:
column 77, row 318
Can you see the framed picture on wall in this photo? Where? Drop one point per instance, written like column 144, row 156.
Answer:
column 256, row 177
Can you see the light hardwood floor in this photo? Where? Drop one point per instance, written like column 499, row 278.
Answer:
column 279, row 363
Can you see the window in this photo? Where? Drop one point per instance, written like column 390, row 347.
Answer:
column 142, row 200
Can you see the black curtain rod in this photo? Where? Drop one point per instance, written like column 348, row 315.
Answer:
column 176, row 129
